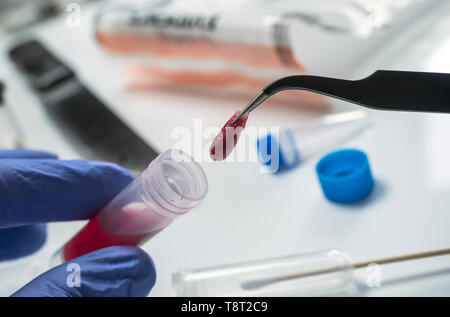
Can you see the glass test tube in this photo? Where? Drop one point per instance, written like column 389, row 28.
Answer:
column 171, row 186
column 272, row 277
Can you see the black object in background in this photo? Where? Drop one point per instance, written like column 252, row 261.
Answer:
column 89, row 124
column 1, row 93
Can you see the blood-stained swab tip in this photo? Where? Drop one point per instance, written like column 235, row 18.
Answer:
column 225, row 142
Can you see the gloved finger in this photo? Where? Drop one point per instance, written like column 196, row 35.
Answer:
column 39, row 191
column 21, row 241
column 27, row 154
column 114, row 271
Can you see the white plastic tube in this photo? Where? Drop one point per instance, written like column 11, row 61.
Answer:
column 292, row 146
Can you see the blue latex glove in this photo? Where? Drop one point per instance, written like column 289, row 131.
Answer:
column 36, row 188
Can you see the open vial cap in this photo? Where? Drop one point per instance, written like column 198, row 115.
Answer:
column 345, row 176
column 174, row 183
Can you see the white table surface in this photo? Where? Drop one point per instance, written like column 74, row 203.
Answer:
column 250, row 215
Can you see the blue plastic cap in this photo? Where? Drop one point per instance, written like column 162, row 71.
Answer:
column 278, row 152
column 345, row 176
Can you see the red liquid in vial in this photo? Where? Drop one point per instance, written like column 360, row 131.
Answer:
column 225, row 142
column 135, row 224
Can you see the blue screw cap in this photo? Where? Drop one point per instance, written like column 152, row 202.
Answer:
column 345, row 176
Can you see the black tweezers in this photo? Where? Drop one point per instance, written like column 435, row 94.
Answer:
column 383, row 90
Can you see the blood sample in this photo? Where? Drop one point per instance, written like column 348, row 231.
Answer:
column 171, row 186
column 224, row 143
column 95, row 236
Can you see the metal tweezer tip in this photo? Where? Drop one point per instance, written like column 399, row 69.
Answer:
column 252, row 105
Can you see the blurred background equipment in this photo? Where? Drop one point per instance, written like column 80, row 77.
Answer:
column 16, row 14
column 99, row 133
column 242, row 46
column 10, row 136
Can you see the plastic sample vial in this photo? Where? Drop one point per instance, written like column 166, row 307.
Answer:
column 10, row 135
column 172, row 185
column 291, row 147
column 284, row 276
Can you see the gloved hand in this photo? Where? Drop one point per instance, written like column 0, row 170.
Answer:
column 36, row 188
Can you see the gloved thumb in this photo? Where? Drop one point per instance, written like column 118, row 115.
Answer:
column 114, row 271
